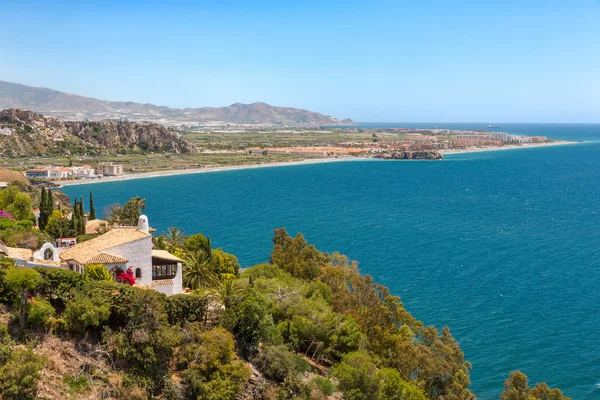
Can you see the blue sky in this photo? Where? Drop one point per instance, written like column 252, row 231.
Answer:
column 410, row 61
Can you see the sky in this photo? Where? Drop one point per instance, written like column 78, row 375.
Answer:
column 385, row 61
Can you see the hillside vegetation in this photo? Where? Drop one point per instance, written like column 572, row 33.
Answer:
column 36, row 135
column 306, row 325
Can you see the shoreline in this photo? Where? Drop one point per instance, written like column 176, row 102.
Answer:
column 172, row 172
column 507, row 147
column 158, row 174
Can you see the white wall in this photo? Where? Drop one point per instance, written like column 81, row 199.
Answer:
column 139, row 254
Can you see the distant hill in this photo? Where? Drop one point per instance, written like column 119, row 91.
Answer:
column 26, row 133
column 74, row 107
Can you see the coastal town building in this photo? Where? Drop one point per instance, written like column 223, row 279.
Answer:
column 109, row 169
column 500, row 136
column 474, row 139
column 49, row 172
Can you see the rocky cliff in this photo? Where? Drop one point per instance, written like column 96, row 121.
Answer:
column 26, row 133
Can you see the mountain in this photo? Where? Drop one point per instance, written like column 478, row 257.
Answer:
column 68, row 106
column 26, row 133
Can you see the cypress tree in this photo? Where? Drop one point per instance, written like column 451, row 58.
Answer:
column 92, row 209
column 43, row 218
column 81, row 228
column 75, row 217
column 50, row 203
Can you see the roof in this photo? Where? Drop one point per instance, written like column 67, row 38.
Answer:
column 107, row 258
column 18, row 253
column 43, row 263
column 86, row 251
column 165, row 255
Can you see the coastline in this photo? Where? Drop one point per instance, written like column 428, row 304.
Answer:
column 157, row 174
column 507, row 147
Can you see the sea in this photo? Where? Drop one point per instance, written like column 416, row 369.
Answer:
column 503, row 247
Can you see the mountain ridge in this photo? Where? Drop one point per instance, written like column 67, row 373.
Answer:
column 69, row 106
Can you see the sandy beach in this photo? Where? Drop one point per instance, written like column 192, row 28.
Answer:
column 156, row 174
column 507, row 147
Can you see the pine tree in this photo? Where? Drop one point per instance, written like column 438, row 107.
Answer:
column 92, row 209
column 43, row 218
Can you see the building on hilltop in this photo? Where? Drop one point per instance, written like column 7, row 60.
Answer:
column 129, row 247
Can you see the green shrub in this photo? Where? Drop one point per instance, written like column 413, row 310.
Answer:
column 146, row 341
column 208, row 365
column 184, row 308
column 276, row 362
column 5, row 293
column 19, row 369
column 250, row 321
column 359, row 379
column 57, row 285
column 77, row 384
column 39, row 312
column 120, row 298
column 324, row 385
column 22, row 281
column 86, row 311
column 97, row 272
column 85, row 238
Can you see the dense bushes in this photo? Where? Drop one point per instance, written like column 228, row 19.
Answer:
column 277, row 362
column 19, row 369
column 97, row 272
column 184, row 308
column 360, row 379
column 208, row 365
column 58, row 285
column 305, row 314
column 86, row 311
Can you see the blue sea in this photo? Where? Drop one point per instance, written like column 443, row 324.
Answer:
column 503, row 247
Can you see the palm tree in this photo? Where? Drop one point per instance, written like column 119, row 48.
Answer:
column 175, row 237
column 198, row 270
column 225, row 290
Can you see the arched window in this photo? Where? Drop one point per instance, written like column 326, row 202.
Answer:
column 48, row 255
column 138, row 273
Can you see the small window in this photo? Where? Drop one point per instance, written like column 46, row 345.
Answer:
column 48, row 254
column 138, row 273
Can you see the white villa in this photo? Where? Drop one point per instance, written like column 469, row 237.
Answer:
column 120, row 247
column 129, row 247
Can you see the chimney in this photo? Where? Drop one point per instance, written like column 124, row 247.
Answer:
column 143, row 224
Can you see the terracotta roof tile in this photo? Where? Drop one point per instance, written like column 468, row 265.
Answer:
column 106, row 258
column 83, row 252
column 165, row 255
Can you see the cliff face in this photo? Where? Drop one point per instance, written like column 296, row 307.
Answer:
column 411, row 155
column 25, row 133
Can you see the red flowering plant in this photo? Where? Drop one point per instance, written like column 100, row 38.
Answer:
column 4, row 214
column 124, row 276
